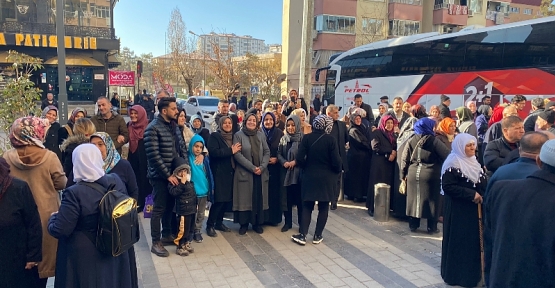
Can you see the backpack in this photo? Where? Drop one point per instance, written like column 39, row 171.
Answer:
column 118, row 221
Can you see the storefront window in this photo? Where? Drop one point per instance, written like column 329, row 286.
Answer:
column 79, row 83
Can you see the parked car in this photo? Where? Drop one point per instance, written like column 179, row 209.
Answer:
column 205, row 106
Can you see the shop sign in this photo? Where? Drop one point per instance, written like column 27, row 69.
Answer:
column 121, row 78
column 98, row 76
column 38, row 40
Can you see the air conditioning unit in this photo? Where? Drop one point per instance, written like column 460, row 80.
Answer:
column 314, row 34
column 470, row 13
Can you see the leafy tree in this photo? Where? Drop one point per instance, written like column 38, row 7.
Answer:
column 19, row 97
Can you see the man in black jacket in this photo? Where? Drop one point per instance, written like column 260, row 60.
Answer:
column 160, row 150
column 223, row 110
column 148, row 104
column 242, row 105
column 497, row 150
column 365, row 107
column 537, row 107
column 341, row 135
column 444, row 110
column 49, row 101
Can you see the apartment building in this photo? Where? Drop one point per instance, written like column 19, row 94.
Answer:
column 230, row 44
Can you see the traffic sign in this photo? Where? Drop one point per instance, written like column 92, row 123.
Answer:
column 254, row 90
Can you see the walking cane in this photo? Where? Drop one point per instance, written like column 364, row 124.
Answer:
column 482, row 255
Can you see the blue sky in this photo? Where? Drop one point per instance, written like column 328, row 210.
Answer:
column 141, row 24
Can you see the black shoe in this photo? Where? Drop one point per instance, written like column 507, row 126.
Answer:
column 258, row 229
column 299, row 239
column 334, row 205
column 211, row 232
column 286, row 227
column 371, row 213
column 159, row 250
column 243, row 230
column 317, row 239
column 168, row 240
column 197, row 237
column 413, row 229
column 433, row 231
column 222, row 228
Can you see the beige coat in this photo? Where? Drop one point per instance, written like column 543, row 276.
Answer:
column 42, row 170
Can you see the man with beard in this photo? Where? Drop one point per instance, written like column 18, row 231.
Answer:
column 160, row 146
column 110, row 122
column 223, row 110
column 398, row 112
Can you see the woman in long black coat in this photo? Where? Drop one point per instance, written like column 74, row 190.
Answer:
column 319, row 157
column 51, row 140
column 78, row 262
column 273, row 135
column 384, row 146
column 21, row 237
column 137, row 153
column 221, row 149
column 421, row 167
column 463, row 182
column 358, row 157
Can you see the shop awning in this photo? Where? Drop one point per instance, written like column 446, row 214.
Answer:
column 75, row 60
column 113, row 61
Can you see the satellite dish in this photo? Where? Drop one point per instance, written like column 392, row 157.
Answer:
column 281, row 78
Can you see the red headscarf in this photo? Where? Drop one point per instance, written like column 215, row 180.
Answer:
column 390, row 134
column 496, row 116
column 137, row 129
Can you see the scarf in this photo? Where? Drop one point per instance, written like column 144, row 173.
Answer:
column 443, row 128
column 268, row 132
column 424, row 126
column 47, row 109
column 112, row 155
column 418, row 111
column 464, row 114
column 137, row 129
column 228, row 136
column 389, row 134
column 292, row 177
column 468, row 166
column 484, row 110
column 5, row 177
column 29, row 131
column 323, row 123
column 253, row 139
column 193, row 118
column 198, row 171
column 87, row 163
column 74, row 113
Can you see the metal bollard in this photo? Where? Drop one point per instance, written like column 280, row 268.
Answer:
column 381, row 202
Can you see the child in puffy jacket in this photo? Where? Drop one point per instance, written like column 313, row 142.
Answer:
column 185, row 207
column 201, row 176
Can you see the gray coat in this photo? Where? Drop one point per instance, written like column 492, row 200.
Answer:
column 243, row 178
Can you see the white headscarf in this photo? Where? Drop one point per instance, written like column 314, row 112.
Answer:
column 469, row 166
column 87, row 163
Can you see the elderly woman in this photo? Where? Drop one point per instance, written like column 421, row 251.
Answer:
column 319, row 158
column 466, row 121
column 21, row 237
column 473, row 109
column 273, row 136
column 51, row 141
column 67, row 130
column 41, row 169
column 79, row 262
column 250, row 182
column 382, row 109
column 384, row 147
column 290, row 173
column 82, row 131
column 463, row 182
column 305, row 127
column 137, row 153
column 359, row 156
column 421, row 167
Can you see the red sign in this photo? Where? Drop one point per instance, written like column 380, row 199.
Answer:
column 121, row 78
column 364, row 88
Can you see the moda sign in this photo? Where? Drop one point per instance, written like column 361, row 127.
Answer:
column 121, row 78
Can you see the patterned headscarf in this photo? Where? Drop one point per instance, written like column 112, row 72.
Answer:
column 29, row 130
column 389, row 134
column 323, row 123
column 356, row 113
column 74, row 113
column 112, row 155
column 137, row 129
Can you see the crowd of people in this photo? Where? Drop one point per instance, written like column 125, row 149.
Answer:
column 461, row 169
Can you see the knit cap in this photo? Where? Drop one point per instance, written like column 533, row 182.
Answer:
column 548, row 115
column 547, row 153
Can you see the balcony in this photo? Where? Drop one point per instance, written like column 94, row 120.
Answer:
column 450, row 14
column 50, row 29
column 405, row 10
column 496, row 18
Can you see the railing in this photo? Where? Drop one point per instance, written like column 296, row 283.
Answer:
column 50, row 29
column 410, row 2
column 441, row 6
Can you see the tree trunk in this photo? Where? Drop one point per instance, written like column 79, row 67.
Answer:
column 189, row 82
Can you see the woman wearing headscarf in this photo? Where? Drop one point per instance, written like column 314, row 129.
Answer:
column 463, row 182
column 82, row 131
column 384, row 149
column 280, row 118
column 42, row 170
column 221, row 149
column 273, row 136
column 473, row 109
column 21, row 237
column 197, row 126
column 305, row 128
column 445, row 131
column 482, row 127
column 256, row 112
column 421, row 167
column 184, row 127
column 359, row 156
column 137, row 153
column 67, row 130
column 51, row 141
column 290, row 172
column 382, row 109
column 250, row 182
column 465, row 124
column 319, row 158
column 79, row 263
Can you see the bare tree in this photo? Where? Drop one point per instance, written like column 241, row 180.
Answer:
column 373, row 25
column 547, row 8
column 183, row 59
column 220, row 64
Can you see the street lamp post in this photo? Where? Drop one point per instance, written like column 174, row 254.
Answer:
column 203, row 61
column 60, row 34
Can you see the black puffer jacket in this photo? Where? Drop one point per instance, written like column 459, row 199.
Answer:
column 160, row 148
column 185, row 198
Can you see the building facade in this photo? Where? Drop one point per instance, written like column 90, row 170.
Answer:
column 230, row 44
column 29, row 27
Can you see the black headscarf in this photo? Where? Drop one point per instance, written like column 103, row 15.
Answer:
column 268, row 132
column 253, row 139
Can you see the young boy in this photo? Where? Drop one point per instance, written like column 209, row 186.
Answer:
column 185, row 207
column 201, row 176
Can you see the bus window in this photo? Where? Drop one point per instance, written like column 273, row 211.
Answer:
column 329, row 95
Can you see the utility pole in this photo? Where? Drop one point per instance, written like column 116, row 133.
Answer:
column 60, row 34
column 306, row 52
